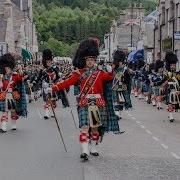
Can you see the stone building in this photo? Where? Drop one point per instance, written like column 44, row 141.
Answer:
column 130, row 20
column 147, row 37
column 17, row 30
column 167, row 31
column 126, row 32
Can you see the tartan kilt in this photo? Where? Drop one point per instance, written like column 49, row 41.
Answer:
column 113, row 124
column 2, row 106
column 145, row 88
column 84, row 119
column 21, row 105
column 113, row 119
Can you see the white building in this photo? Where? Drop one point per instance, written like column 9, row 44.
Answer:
column 168, row 27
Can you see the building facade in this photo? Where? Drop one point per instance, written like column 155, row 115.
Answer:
column 126, row 32
column 17, row 30
column 167, row 29
column 147, row 37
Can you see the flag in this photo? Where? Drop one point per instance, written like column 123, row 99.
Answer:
column 131, row 22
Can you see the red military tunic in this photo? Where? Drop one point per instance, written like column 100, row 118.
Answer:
column 96, row 88
column 14, row 80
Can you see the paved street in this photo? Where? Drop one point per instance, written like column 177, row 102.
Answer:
column 149, row 149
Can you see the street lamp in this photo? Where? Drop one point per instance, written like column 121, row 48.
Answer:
column 132, row 12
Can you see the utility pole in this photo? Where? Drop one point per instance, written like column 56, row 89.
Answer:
column 173, row 39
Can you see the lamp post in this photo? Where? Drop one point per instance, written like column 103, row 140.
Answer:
column 173, row 39
column 132, row 9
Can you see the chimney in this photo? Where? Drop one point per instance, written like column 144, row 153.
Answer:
column 141, row 5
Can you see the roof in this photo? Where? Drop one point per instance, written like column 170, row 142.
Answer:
column 3, row 25
column 152, row 17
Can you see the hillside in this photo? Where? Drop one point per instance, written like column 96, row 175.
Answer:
column 62, row 24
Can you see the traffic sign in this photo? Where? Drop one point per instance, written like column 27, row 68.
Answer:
column 177, row 35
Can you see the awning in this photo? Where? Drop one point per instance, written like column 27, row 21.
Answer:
column 136, row 55
column 26, row 54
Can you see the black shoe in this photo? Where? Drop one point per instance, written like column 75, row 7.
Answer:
column 84, row 156
column 171, row 120
column 30, row 101
column 95, row 154
column 46, row 117
column 119, row 132
column 1, row 131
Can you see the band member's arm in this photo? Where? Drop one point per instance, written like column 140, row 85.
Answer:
column 107, row 76
column 66, row 83
column 20, row 77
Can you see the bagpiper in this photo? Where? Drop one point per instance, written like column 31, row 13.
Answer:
column 146, row 83
column 47, row 76
column 12, row 93
column 173, row 82
column 138, row 78
column 93, row 120
column 113, row 118
column 157, row 82
column 121, row 83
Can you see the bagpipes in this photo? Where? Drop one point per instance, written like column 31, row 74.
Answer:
column 3, row 94
column 174, row 95
column 120, row 87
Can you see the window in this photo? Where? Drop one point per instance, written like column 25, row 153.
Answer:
column 178, row 17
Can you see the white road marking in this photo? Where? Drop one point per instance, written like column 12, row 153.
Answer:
column 155, row 138
column 149, row 132
column 175, row 155
column 164, row 146
column 143, row 127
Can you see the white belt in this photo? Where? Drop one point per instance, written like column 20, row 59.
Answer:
column 172, row 83
column 93, row 96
